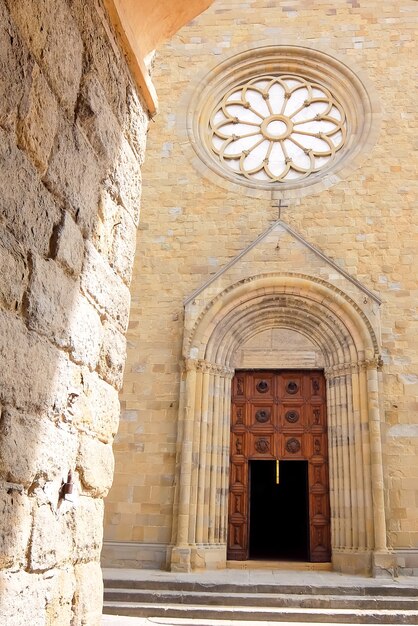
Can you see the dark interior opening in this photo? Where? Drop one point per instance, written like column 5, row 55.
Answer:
column 279, row 513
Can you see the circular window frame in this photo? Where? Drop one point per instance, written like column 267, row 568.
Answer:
column 360, row 106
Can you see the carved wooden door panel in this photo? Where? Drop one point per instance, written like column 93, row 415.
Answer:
column 279, row 415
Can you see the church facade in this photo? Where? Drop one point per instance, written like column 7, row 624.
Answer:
column 269, row 403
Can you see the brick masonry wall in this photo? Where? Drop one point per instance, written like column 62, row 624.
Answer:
column 191, row 227
column 72, row 142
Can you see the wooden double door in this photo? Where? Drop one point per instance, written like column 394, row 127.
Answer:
column 279, row 489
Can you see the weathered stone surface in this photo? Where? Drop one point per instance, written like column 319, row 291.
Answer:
column 106, row 288
column 88, row 528
column 15, row 69
column 15, row 525
column 96, row 408
column 26, row 206
column 68, row 246
column 57, row 310
column 115, row 236
column 33, row 448
column 59, row 597
column 38, row 121
column 136, row 125
column 123, row 247
column 126, row 180
column 85, row 333
column 97, row 120
column 45, row 26
column 96, row 464
column 102, row 55
column 87, row 604
column 23, row 597
column 73, row 174
column 36, row 376
column 50, row 300
column 38, row 599
column 14, row 270
column 51, row 541
column 112, row 356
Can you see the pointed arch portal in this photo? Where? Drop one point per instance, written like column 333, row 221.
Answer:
column 349, row 346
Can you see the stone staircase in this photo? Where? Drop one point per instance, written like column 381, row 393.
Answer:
column 193, row 599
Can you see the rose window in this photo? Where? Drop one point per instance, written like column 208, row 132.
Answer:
column 277, row 128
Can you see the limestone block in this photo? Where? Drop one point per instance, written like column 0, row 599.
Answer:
column 25, row 204
column 73, row 174
column 14, row 270
column 38, row 121
column 32, row 448
column 43, row 599
column 112, row 356
column 88, row 598
column 136, row 125
column 123, row 246
column 68, row 246
column 97, row 120
column 36, row 376
column 15, row 525
column 56, row 309
column 85, row 333
column 50, row 299
column 51, row 540
column 15, row 68
column 105, row 59
column 126, row 179
column 88, row 529
column 95, row 463
column 106, row 288
column 51, row 34
column 59, row 597
column 96, row 409
column 23, row 597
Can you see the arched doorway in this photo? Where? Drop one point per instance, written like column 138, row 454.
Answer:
column 347, row 341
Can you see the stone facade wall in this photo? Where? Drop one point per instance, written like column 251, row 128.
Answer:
column 193, row 226
column 72, row 142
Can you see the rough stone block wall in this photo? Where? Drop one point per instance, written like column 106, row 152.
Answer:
column 192, row 227
column 72, row 138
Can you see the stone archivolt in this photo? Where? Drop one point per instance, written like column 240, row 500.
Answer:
column 350, row 350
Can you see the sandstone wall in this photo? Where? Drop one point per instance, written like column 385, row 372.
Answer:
column 192, row 227
column 72, row 142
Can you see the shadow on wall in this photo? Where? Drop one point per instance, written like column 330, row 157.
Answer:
column 72, row 140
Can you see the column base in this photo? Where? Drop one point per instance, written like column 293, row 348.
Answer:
column 384, row 565
column 366, row 563
column 350, row 562
column 198, row 557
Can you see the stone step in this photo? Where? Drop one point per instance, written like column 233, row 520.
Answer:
column 260, row 613
column 209, row 597
column 409, row 591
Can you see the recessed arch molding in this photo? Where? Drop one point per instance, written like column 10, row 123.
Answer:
column 215, row 328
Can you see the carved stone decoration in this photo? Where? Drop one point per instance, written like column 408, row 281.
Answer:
column 240, row 387
column 262, row 415
column 262, row 386
column 293, row 445
column 292, row 387
column 262, row 445
column 291, row 416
